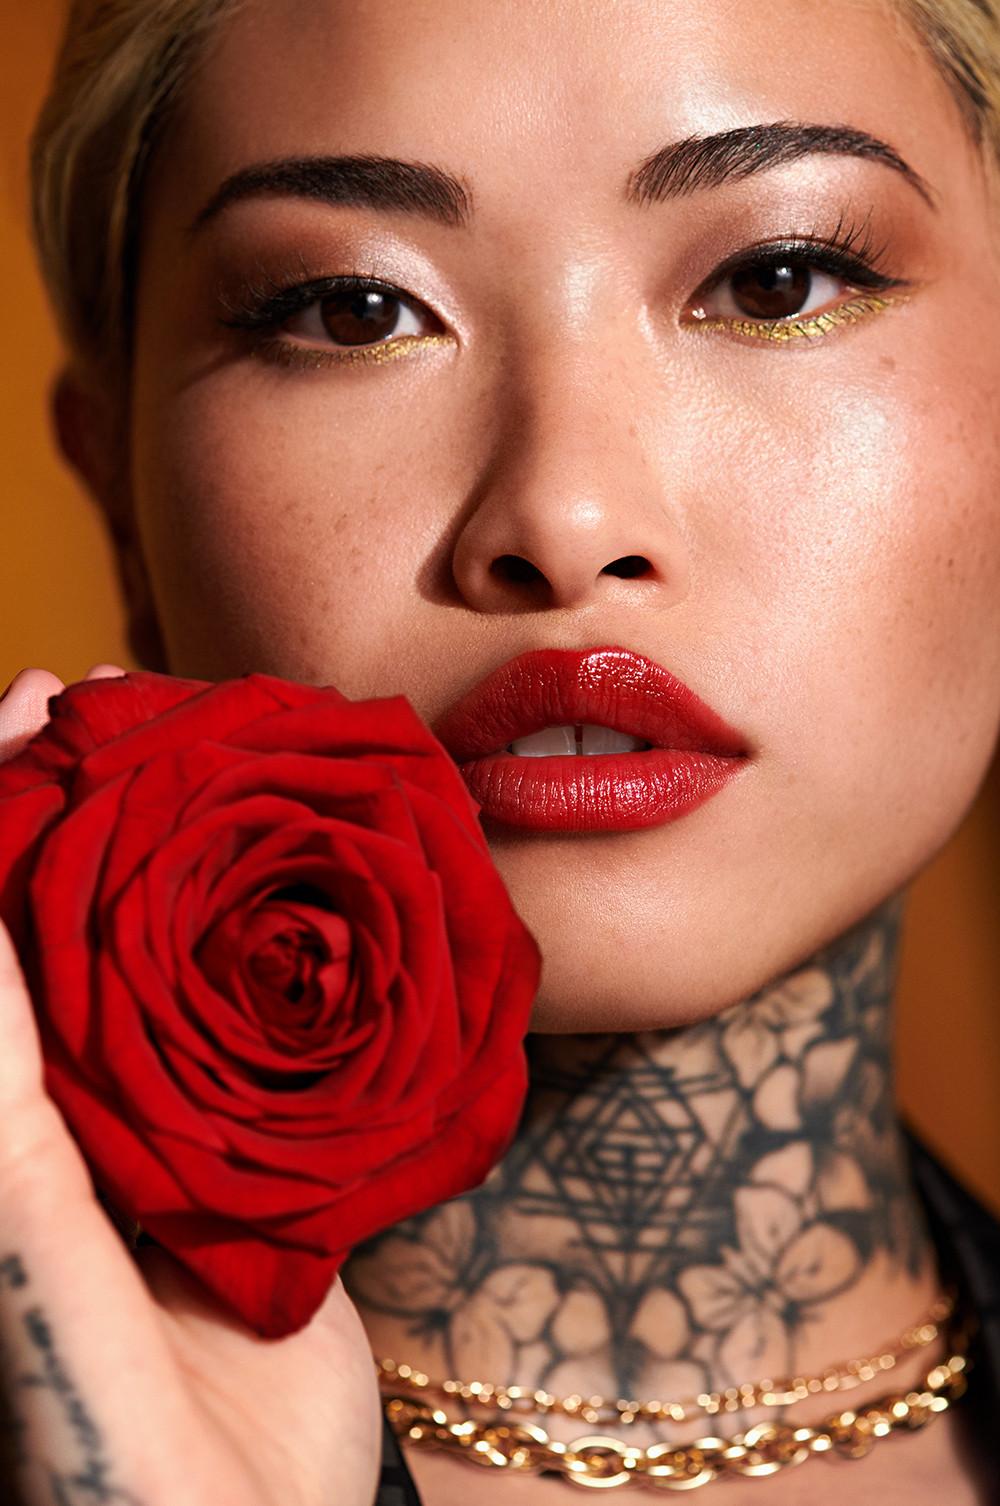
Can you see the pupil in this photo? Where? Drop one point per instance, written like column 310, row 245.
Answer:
column 772, row 290
column 358, row 318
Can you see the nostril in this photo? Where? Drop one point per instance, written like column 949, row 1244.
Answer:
column 512, row 567
column 629, row 566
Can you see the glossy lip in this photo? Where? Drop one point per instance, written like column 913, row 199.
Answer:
column 694, row 751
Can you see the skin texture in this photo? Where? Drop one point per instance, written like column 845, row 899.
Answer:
column 820, row 523
column 817, row 523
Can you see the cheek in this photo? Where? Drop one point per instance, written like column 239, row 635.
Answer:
column 879, row 551
column 277, row 531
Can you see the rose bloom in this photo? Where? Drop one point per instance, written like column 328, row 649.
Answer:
column 281, row 989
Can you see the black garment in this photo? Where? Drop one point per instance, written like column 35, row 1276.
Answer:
column 967, row 1237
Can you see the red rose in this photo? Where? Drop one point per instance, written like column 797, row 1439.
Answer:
column 281, row 988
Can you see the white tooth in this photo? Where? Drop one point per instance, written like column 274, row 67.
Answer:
column 604, row 740
column 594, row 739
column 542, row 744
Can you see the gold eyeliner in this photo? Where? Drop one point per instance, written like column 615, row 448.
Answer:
column 815, row 326
column 304, row 357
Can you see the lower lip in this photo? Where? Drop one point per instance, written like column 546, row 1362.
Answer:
column 597, row 791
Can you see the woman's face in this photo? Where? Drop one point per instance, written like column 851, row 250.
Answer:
column 816, row 518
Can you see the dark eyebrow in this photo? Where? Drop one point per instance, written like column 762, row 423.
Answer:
column 700, row 162
column 682, row 167
column 363, row 181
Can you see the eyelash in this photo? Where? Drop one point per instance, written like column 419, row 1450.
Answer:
column 263, row 306
column 848, row 253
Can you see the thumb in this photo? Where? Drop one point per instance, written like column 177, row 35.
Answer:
column 24, row 709
column 24, row 706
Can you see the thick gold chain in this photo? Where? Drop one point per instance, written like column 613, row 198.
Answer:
column 605, row 1463
column 748, row 1395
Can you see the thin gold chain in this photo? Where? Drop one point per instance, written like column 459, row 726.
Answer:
column 782, row 1392
column 604, row 1463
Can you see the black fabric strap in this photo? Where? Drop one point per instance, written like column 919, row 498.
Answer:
column 396, row 1487
column 967, row 1237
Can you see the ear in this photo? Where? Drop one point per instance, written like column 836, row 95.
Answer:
column 88, row 431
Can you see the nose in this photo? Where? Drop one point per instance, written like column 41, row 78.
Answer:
column 568, row 513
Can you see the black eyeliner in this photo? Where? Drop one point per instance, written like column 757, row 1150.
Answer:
column 825, row 256
column 851, row 254
column 263, row 306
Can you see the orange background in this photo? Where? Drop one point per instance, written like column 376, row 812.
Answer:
column 59, row 609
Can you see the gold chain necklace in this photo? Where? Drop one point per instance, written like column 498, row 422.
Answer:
column 768, row 1392
column 604, row 1462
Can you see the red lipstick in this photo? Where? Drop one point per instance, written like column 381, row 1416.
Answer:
column 694, row 753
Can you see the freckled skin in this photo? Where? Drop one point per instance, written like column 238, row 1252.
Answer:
column 795, row 505
column 818, row 516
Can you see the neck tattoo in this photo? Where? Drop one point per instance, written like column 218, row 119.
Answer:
column 680, row 1209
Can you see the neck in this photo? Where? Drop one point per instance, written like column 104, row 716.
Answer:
column 681, row 1210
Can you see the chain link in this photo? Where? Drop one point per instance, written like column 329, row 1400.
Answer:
column 748, row 1395
column 604, row 1463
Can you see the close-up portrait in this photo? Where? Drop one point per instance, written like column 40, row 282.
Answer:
column 499, row 794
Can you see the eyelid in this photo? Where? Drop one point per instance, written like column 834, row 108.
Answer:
column 821, row 251
column 260, row 309
column 831, row 255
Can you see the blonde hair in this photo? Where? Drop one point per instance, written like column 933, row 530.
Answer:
column 120, row 71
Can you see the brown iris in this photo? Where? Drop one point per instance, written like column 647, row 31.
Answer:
column 359, row 317
column 771, row 290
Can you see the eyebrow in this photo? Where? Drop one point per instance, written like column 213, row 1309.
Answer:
column 367, row 182
column 700, row 162
column 674, row 171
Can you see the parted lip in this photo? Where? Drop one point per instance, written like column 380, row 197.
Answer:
column 607, row 685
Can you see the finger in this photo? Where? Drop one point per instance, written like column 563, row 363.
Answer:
column 83, row 1352
column 104, row 672
column 24, row 709
column 35, row 1145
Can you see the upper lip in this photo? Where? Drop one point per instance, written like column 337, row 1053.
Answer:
column 609, row 686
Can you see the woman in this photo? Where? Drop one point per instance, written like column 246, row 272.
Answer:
column 672, row 355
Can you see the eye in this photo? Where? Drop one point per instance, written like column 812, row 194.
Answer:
column 803, row 288
column 330, row 319
column 771, row 289
column 352, row 316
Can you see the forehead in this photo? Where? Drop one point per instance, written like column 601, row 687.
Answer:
column 533, row 98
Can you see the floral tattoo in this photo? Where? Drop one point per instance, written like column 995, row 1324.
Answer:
column 678, row 1205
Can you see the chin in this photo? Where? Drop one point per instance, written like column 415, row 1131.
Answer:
column 642, row 960
column 601, row 993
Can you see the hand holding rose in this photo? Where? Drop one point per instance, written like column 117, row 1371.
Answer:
column 280, row 1003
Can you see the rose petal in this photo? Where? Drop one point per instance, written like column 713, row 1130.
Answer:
column 231, row 792
column 139, row 717
column 23, row 820
column 86, row 715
